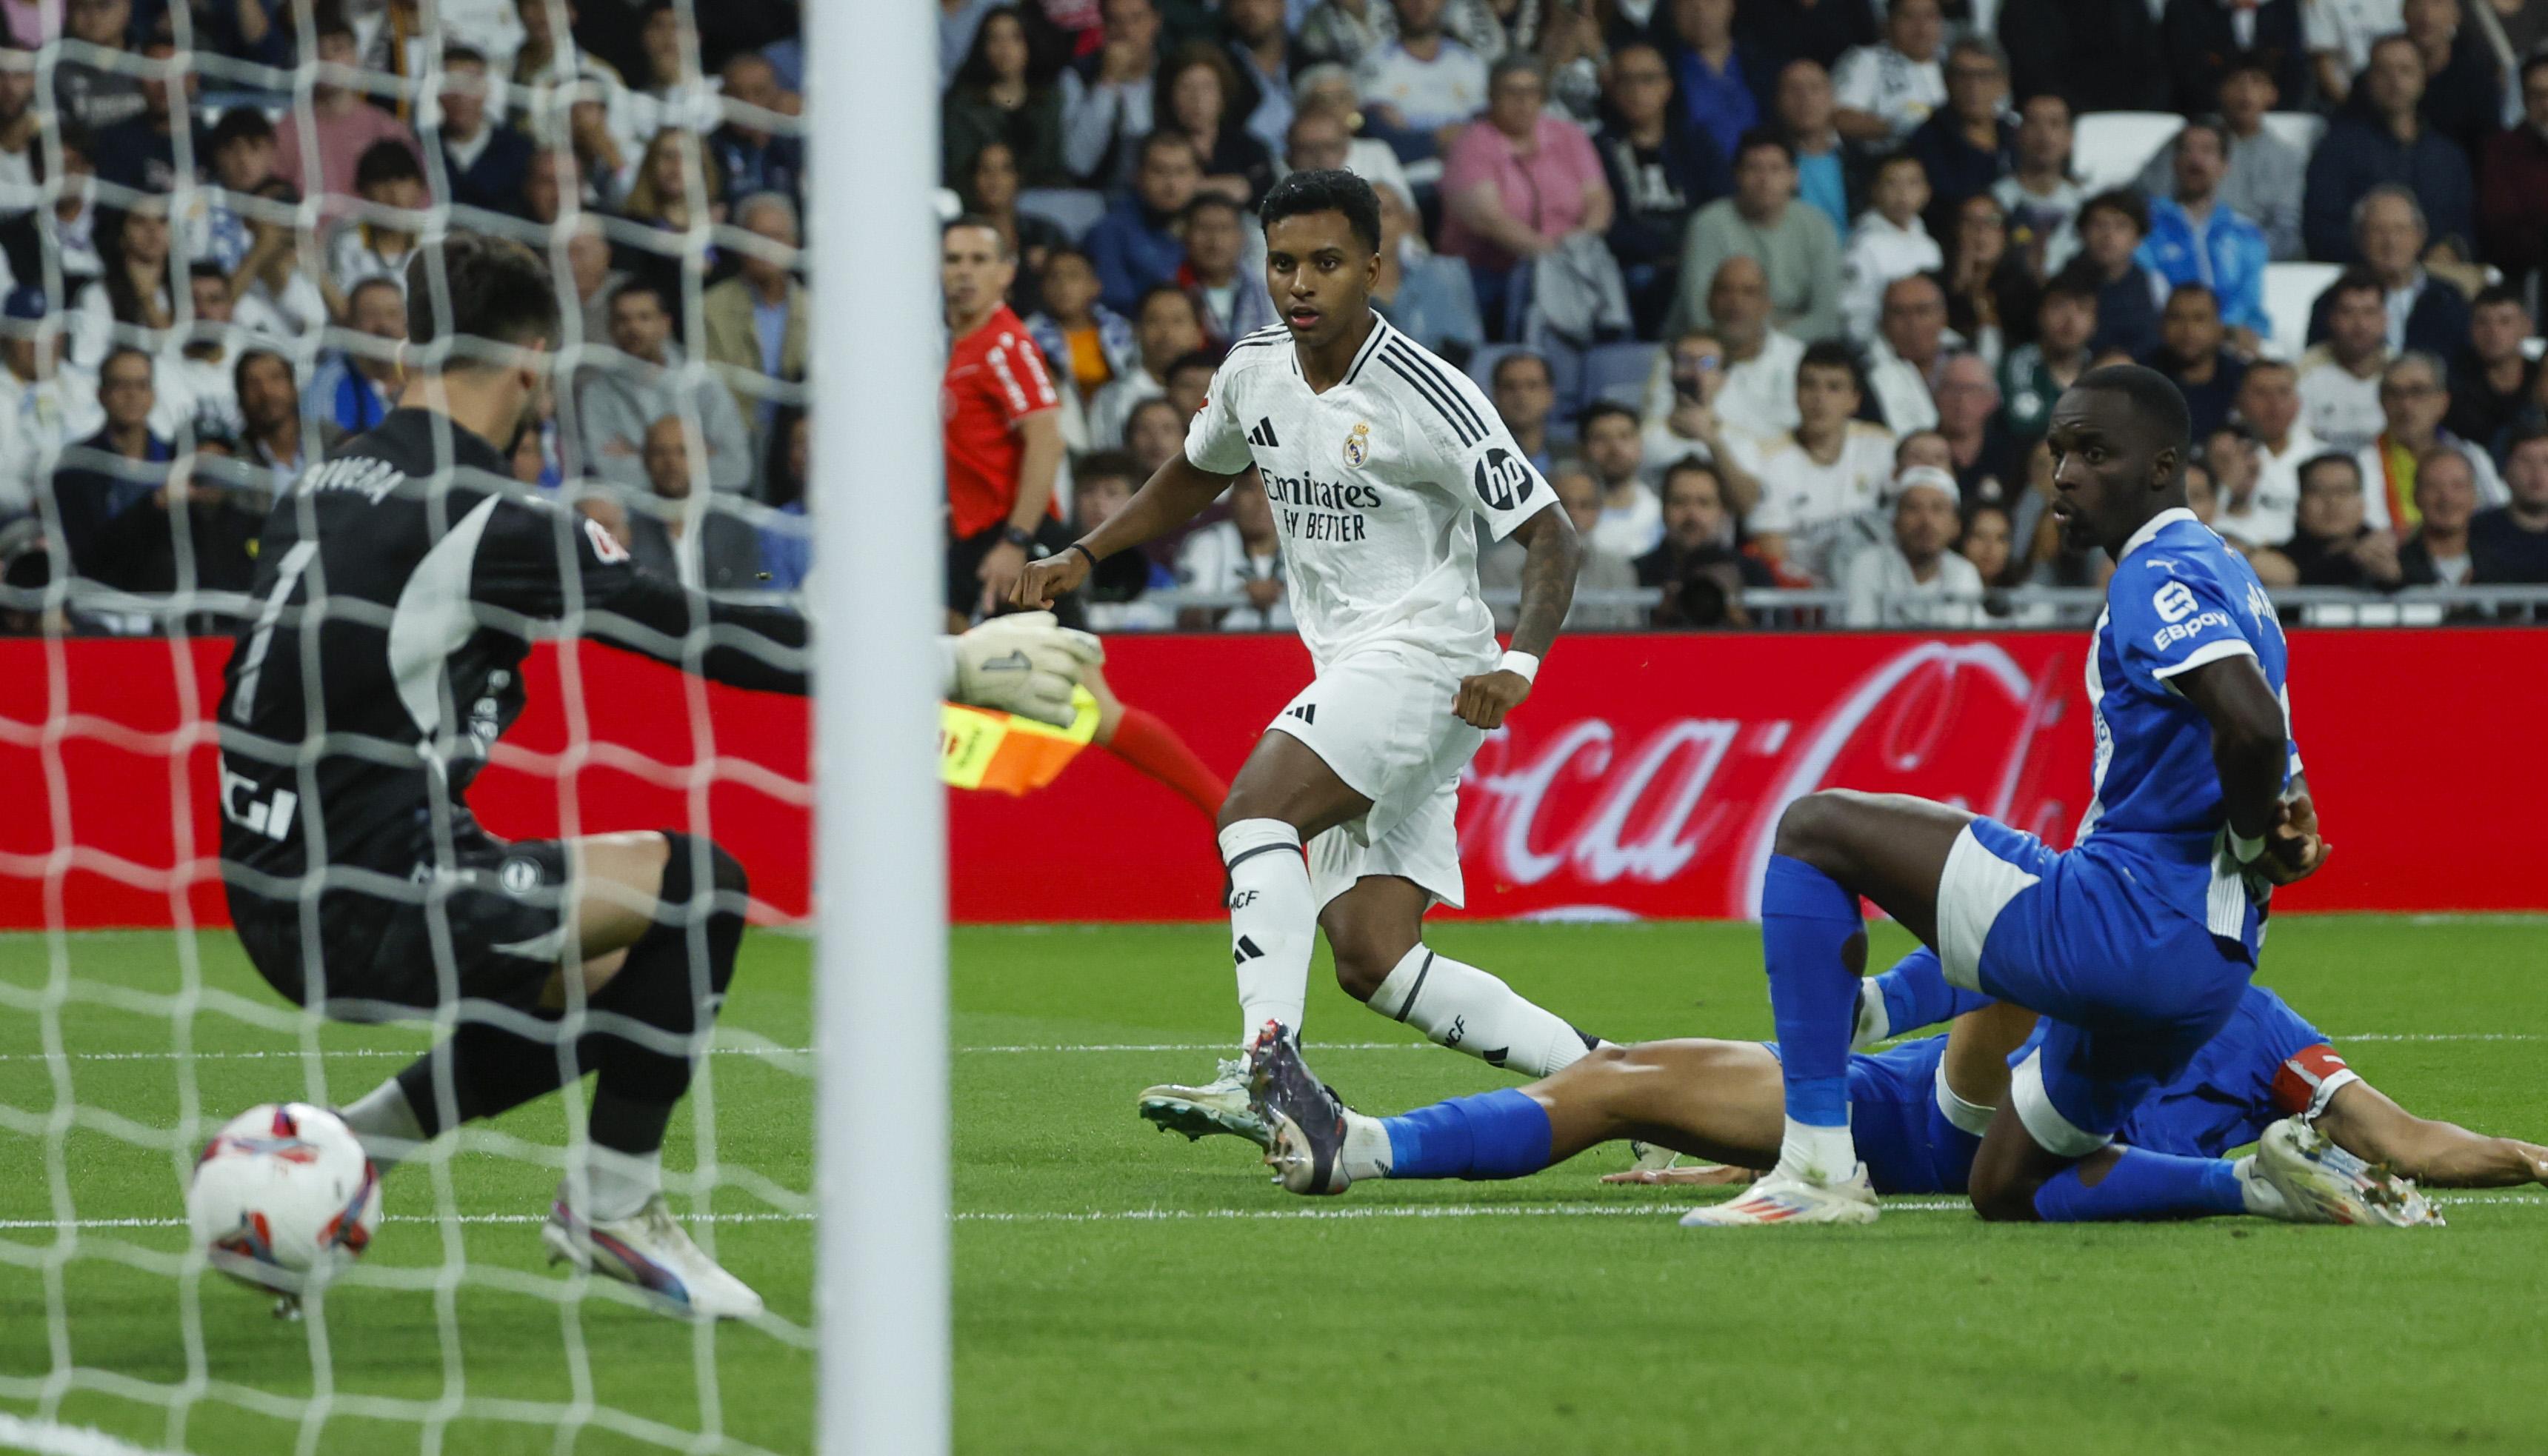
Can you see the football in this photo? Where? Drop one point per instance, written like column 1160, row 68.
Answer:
column 283, row 1196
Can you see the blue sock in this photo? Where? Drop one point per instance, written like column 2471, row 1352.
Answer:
column 1494, row 1135
column 1806, row 918
column 1915, row 994
column 2145, row 1185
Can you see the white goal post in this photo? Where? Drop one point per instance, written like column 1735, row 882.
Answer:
column 881, row 968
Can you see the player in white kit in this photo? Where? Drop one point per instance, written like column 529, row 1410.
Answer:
column 1383, row 466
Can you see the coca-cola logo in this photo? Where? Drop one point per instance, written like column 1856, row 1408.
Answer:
column 1607, row 802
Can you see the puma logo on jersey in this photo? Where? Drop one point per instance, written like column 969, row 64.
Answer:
column 1263, row 435
column 1307, row 712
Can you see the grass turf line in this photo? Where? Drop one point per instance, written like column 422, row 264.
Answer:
column 1469, row 1333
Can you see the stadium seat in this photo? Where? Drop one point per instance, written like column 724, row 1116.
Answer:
column 2299, row 129
column 1620, row 371
column 2109, row 148
column 2291, row 291
column 1073, row 210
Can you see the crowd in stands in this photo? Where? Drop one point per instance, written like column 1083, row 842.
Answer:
column 1843, row 254
column 204, row 287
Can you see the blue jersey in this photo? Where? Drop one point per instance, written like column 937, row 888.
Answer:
column 2268, row 1063
column 2180, row 599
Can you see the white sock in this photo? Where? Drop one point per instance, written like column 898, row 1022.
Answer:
column 1468, row 1010
column 615, row 1184
column 1366, row 1151
column 386, row 1125
column 1273, row 923
column 1874, row 1023
column 1824, row 1155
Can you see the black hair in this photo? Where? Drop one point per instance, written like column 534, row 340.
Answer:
column 1112, row 465
column 975, row 72
column 2498, row 293
column 1603, row 410
column 1165, row 136
column 205, row 268
column 2329, row 457
column 1203, row 359
column 2537, row 60
column 491, row 288
column 976, row 220
column 2071, row 284
column 638, row 283
column 2125, row 203
column 1496, row 375
column 1761, row 136
column 2194, row 286
column 2521, row 436
column 784, row 489
column 462, row 55
column 1690, row 464
column 1205, row 201
column 2355, row 280
column 1142, row 305
column 240, row 124
column 126, row 351
column 1329, row 190
column 238, row 368
column 2157, row 402
column 386, row 160
column 1831, row 353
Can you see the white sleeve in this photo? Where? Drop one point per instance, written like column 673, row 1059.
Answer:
column 1854, row 81
column 1775, row 515
column 1469, row 449
column 1215, row 441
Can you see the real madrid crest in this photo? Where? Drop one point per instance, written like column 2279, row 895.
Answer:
column 1358, row 446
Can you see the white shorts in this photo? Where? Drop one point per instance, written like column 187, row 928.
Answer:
column 1381, row 718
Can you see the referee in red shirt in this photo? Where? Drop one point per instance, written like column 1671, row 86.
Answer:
column 1003, row 431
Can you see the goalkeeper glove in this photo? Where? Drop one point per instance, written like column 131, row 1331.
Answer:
column 1025, row 664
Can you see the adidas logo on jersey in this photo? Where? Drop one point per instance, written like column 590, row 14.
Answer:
column 1307, row 712
column 1244, row 952
column 1263, row 435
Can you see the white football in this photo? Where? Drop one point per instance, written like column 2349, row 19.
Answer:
column 283, row 1196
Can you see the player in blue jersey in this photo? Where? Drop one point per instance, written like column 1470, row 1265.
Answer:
column 2134, row 944
column 1918, row 1112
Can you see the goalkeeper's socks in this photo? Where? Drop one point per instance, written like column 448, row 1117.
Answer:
column 2144, row 1185
column 1141, row 739
column 1502, row 1134
column 1273, row 923
column 1912, row 995
column 623, row 1163
column 1470, row 1010
column 1808, row 921
column 386, row 1123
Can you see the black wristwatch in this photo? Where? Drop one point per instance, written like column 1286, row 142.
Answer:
column 1013, row 536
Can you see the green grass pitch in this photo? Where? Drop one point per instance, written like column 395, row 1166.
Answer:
column 1119, row 1291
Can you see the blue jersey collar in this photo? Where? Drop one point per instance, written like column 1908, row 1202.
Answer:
column 2155, row 524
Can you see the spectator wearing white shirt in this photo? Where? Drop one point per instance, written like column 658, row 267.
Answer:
column 1322, row 138
column 1628, row 520
column 1420, row 88
column 2256, row 509
column 133, row 297
column 1688, row 420
column 1890, row 242
column 2042, row 198
column 2340, row 35
column 1915, row 579
column 197, row 397
column 1759, row 397
column 360, row 249
column 1240, row 556
column 1815, row 479
column 2339, row 378
column 1909, row 354
column 1887, row 91
column 1108, row 100
column 43, row 406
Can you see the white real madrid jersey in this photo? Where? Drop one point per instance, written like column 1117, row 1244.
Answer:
column 1377, row 486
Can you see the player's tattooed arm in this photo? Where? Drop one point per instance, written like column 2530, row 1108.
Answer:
column 1551, row 558
column 1176, row 494
column 2250, row 749
column 2365, row 1123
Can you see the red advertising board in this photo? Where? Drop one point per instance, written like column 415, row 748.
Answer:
column 1644, row 777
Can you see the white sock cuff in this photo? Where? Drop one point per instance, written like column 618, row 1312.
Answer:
column 1396, row 994
column 1248, row 836
column 1874, row 1021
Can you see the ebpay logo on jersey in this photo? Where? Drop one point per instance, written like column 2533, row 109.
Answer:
column 1320, row 511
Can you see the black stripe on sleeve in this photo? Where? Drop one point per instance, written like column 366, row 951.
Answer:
column 1370, row 347
column 1430, row 389
column 1441, row 376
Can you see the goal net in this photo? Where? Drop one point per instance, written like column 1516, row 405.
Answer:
column 207, row 227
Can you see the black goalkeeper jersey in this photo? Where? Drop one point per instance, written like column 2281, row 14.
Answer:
column 398, row 587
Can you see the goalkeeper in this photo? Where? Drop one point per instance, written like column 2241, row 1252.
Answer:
column 397, row 589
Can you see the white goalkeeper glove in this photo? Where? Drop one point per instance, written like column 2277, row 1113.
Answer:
column 1025, row 664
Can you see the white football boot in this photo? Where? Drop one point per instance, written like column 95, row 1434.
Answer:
column 2321, row 1183
column 1219, row 1106
column 1782, row 1198
column 650, row 1250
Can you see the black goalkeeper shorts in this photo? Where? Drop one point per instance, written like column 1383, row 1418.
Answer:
column 492, row 927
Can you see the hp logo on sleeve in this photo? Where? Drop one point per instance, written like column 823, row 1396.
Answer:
column 1503, row 480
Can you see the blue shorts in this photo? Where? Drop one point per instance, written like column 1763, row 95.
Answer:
column 2130, row 987
column 1906, row 1135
